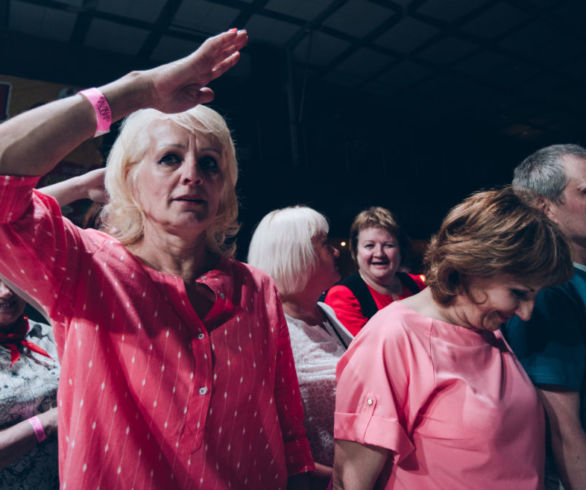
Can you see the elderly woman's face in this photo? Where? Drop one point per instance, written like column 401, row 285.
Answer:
column 493, row 301
column 179, row 181
column 11, row 306
column 326, row 273
column 377, row 254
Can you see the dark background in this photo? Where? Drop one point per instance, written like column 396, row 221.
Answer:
column 343, row 104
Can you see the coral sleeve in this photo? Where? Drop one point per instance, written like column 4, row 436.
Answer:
column 41, row 248
column 372, row 391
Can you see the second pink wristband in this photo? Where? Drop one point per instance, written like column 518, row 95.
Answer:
column 38, row 428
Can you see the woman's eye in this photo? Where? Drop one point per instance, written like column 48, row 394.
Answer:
column 209, row 164
column 389, row 245
column 170, row 159
column 518, row 293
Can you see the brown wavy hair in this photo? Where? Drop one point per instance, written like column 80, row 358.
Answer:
column 491, row 233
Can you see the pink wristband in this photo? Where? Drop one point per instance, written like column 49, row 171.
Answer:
column 101, row 108
column 38, row 428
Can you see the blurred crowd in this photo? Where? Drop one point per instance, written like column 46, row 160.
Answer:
column 148, row 357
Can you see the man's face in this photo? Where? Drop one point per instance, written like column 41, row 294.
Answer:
column 570, row 215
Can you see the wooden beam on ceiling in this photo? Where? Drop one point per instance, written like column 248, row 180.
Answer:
column 161, row 25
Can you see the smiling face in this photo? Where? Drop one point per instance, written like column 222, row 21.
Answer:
column 11, row 306
column 493, row 301
column 179, row 181
column 378, row 255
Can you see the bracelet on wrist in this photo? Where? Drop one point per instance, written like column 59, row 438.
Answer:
column 101, row 109
column 38, row 428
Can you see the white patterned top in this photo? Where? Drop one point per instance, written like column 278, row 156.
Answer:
column 27, row 388
column 316, row 350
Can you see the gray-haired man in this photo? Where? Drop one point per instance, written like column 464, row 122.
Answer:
column 552, row 345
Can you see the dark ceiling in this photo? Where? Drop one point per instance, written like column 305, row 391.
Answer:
column 343, row 104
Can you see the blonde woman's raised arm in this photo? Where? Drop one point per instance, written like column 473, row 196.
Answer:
column 32, row 143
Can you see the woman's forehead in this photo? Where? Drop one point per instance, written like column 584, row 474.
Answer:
column 375, row 232
column 166, row 132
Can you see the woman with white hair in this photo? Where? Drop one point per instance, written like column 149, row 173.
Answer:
column 177, row 370
column 291, row 245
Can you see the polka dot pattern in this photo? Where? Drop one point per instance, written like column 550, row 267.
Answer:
column 145, row 401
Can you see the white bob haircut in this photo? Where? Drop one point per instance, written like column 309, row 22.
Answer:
column 123, row 217
column 282, row 246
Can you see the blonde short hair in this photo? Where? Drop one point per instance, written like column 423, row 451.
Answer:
column 282, row 246
column 123, row 217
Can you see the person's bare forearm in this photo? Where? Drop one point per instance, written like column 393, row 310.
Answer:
column 32, row 143
column 568, row 439
column 86, row 186
column 65, row 192
column 357, row 466
column 323, row 471
column 570, row 455
column 19, row 439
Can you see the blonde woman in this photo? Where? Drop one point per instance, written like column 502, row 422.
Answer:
column 177, row 369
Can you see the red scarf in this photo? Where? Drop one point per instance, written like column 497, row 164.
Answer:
column 14, row 338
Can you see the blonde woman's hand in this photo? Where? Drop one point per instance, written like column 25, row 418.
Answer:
column 181, row 84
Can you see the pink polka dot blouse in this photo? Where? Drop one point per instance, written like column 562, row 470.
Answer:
column 151, row 395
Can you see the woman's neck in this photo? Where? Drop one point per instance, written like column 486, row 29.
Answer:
column 303, row 308
column 424, row 304
column 173, row 255
column 392, row 287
